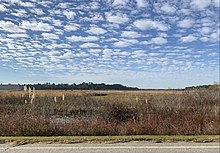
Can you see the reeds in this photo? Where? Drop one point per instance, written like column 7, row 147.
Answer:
column 31, row 94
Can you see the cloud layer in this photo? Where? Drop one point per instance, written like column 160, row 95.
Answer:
column 101, row 37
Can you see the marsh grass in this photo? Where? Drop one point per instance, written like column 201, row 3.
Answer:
column 90, row 113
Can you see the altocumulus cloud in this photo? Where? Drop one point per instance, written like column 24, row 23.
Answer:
column 50, row 36
column 36, row 26
column 97, row 40
column 10, row 27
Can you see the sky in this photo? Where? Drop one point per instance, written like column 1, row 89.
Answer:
column 139, row 43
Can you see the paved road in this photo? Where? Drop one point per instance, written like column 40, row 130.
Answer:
column 131, row 147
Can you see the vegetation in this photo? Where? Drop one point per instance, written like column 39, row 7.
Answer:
column 104, row 113
column 109, row 139
column 82, row 86
column 214, row 86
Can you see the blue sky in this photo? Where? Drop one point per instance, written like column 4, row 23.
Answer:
column 143, row 43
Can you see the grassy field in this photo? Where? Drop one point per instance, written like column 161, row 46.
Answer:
column 109, row 113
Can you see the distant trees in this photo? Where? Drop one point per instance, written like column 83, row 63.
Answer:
column 215, row 86
column 82, row 86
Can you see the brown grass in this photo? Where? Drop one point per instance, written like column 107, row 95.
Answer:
column 110, row 113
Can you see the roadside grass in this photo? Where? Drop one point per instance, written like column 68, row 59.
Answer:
column 16, row 141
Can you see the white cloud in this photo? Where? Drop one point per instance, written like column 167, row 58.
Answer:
column 204, row 39
column 53, row 53
column 36, row 26
column 19, row 35
column 2, row 8
column 200, row 4
column 99, row 37
column 186, row 23
column 145, row 42
column 96, row 31
column 216, row 3
column 94, row 50
column 97, row 17
column 141, row 3
column 50, row 36
column 63, row 5
column 89, row 45
column 55, row 11
column 138, row 54
column 37, row 11
column 125, row 42
column 207, row 22
column 59, row 32
column 20, row 13
column 57, row 22
column 204, row 30
column 111, row 26
column 118, row 18
column 14, row 1
column 71, row 27
column 45, row 3
column 215, row 36
column 26, row 4
column 67, row 55
column 168, row 8
column 145, row 24
column 132, row 41
column 130, row 34
column 121, row 44
column 69, row 14
column 159, row 40
column 94, row 5
column 107, row 53
column 120, row 2
column 189, row 38
column 185, row 11
column 82, row 54
column 162, row 34
column 55, row 45
column 10, row 27
column 83, row 39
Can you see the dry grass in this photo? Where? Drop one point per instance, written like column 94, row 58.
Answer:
column 82, row 92
column 15, row 141
column 109, row 113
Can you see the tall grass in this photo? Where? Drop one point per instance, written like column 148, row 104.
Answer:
column 110, row 113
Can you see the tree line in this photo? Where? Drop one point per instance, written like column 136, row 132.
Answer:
column 214, row 86
column 81, row 86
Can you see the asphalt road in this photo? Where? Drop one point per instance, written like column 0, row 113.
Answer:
column 130, row 147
